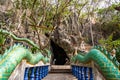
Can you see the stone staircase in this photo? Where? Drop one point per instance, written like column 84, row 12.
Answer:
column 60, row 69
column 60, row 72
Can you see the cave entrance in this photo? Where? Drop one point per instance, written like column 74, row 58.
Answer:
column 59, row 56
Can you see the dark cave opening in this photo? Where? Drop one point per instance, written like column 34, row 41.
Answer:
column 59, row 56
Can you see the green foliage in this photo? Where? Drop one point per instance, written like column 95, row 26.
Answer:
column 110, row 27
column 107, row 43
column 109, row 19
column 23, row 4
column 108, row 9
column 2, row 38
column 111, row 44
column 2, row 42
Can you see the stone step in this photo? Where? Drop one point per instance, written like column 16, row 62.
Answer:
column 60, row 69
column 60, row 72
column 60, row 76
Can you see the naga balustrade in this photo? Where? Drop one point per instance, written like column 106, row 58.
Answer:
column 36, row 73
column 82, row 73
column 16, row 53
column 107, row 64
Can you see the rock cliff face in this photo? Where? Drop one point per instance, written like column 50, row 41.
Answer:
column 67, row 35
column 65, row 40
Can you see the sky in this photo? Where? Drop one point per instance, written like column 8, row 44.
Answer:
column 102, row 1
column 110, row 2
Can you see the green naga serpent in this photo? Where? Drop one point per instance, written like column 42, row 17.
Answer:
column 12, row 57
column 106, row 63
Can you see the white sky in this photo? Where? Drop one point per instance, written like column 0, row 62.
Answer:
column 103, row 2
column 110, row 2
